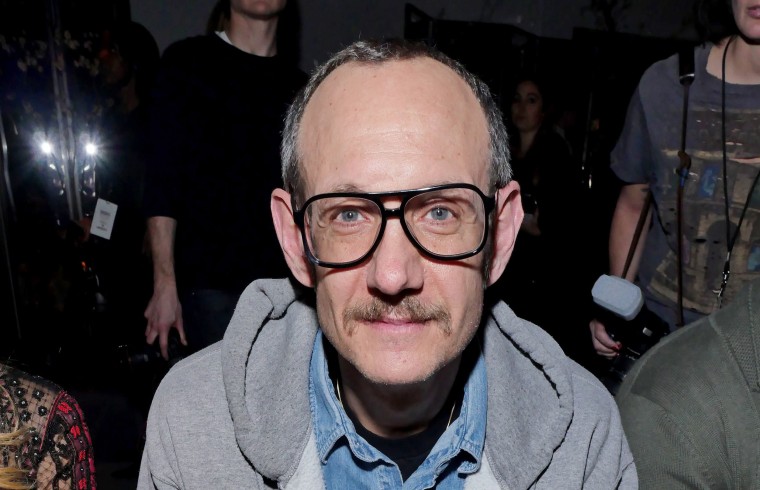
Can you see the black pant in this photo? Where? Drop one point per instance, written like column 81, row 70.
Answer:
column 206, row 314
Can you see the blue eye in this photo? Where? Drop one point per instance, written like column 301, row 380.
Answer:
column 440, row 214
column 349, row 215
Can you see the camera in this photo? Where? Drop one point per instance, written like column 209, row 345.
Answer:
column 147, row 357
column 620, row 307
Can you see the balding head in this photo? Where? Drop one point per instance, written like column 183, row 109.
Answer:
column 376, row 53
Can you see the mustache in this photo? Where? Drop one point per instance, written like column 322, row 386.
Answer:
column 409, row 308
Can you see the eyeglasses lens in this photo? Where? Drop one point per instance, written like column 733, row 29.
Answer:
column 444, row 222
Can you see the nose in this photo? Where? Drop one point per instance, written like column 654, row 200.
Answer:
column 396, row 265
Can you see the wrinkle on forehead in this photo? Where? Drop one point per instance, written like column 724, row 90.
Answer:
column 417, row 107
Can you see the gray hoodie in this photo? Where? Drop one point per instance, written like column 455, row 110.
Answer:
column 237, row 414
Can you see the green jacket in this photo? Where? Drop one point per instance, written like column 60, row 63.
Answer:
column 690, row 406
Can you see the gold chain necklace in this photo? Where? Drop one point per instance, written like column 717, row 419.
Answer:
column 340, row 400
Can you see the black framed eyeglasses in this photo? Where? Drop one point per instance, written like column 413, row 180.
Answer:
column 445, row 222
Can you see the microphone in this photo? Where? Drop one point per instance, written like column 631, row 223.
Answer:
column 618, row 296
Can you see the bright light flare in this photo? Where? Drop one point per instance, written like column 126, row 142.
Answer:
column 46, row 147
column 91, row 149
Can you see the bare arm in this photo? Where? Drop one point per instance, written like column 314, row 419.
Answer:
column 164, row 310
column 627, row 211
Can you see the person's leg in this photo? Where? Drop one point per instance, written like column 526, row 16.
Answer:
column 206, row 314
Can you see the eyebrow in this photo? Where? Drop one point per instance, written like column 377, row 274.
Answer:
column 347, row 188
column 357, row 189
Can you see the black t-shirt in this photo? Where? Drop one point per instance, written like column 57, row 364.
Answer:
column 410, row 452
column 216, row 125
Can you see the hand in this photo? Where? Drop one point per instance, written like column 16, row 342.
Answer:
column 164, row 312
column 603, row 343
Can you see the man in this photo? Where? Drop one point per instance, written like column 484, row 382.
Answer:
column 720, row 214
column 219, row 104
column 399, row 212
column 689, row 406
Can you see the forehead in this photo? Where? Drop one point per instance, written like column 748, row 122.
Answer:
column 391, row 126
column 528, row 87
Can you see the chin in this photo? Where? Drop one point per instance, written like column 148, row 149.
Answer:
column 390, row 379
column 405, row 371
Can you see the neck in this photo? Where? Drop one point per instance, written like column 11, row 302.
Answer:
column 526, row 141
column 395, row 411
column 742, row 61
column 252, row 35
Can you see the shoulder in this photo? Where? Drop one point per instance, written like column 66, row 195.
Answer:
column 193, row 386
column 191, row 52
column 552, row 140
column 660, row 77
column 31, row 398
column 687, row 403
column 562, row 405
column 663, row 76
column 685, row 379
column 284, row 77
column 186, row 47
column 552, row 149
column 548, row 357
column 60, row 447
column 15, row 378
column 670, row 363
column 297, row 77
column 587, row 388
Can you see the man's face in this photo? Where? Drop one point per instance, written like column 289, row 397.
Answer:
column 398, row 317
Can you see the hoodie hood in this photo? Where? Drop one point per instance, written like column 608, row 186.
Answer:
column 266, row 375
column 530, row 398
column 265, row 366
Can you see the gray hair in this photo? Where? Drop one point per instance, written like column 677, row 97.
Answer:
column 376, row 52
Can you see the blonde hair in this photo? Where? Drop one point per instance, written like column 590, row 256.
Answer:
column 13, row 478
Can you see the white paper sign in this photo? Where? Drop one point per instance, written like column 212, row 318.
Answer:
column 102, row 220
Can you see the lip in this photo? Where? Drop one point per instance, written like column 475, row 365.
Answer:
column 397, row 325
column 754, row 11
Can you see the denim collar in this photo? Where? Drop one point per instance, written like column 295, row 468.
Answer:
column 333, row 428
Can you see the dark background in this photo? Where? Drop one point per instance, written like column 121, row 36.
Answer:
column 51, row 321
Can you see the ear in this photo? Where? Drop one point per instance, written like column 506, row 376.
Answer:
column 289, row 236
column 507, row 220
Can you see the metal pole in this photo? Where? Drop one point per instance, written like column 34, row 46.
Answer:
column 6, row 251
column 67, row 143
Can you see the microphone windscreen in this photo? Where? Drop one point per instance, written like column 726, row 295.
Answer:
column 615, row 294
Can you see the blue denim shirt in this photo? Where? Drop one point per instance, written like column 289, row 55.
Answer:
column 348, row 461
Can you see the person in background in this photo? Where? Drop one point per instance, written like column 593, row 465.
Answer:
column 129, row 61
column 44, row 440
column 689, row 406
column 720, row 211
column 386, row 368
column 216, row 121
column 11, row 476
column 550, row 187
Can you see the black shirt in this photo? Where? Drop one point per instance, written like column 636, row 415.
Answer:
column 216, row 121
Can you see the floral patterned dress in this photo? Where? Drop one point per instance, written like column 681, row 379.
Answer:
column 58, row 454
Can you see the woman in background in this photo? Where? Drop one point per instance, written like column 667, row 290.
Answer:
column 541, row 282
column 44, row 441
column 11, row 476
